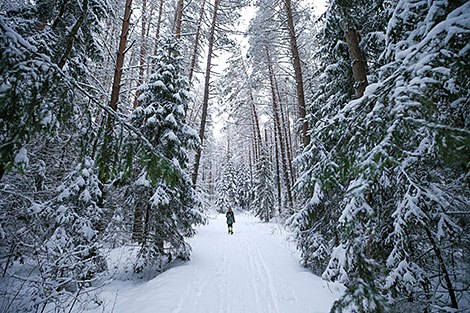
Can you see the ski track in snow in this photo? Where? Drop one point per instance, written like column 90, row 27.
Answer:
column 253, row 271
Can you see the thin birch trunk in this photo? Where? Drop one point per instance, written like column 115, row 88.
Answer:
column 206, row 91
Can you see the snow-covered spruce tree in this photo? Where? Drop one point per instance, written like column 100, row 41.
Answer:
column 49, row 247
column 163, row 185
column 225, row 196
column 74, row 220
column 264, row 185
column 222, row 195
column 322, row 180
column 398, row 157
column 242, row 185
column 44, row 46
column 50, row 222
column 421, row 125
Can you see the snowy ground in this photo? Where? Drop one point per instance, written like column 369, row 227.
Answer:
column 253, row 271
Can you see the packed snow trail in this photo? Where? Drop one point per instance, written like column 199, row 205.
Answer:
column 252, row 271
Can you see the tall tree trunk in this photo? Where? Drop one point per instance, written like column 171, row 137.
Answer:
column 254, row 141
column 194, row 57
column 157, row 31
column 358, row 63
column 255, row 114
column 120, row 56
column 291, row 148
column 137, row 226
column 196, row 42
column 106, row 153
column 251, row 161
column 284, row 130
column 179, row 18
column 277, row 126
column 140, row 79
column 147, row 50
column 278, row 173
column 256, row 125
column 205, row 101
column 138, row 213
column 298, row 74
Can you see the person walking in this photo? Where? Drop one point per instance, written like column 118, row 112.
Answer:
column 230, row 220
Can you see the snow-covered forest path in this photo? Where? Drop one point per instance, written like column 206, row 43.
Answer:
column 252, row 271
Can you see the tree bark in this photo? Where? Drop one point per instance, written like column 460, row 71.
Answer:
column 179, row 18
column 278, row 173
column 254, row 141
column 138, row 213
column 277, row 127
column 196, row 42
column 157, row 31
column 140, row 79
column 289, row 128
column 289, row 138
column 255, row 114
column 205, row 101
column 298, row 74
column 120, row 56
column 358, row 63
column 251, row 162
column 137, row 227
column 147, row 51
column 285, row 132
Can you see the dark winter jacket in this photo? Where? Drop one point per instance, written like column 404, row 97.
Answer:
column 230, row 217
